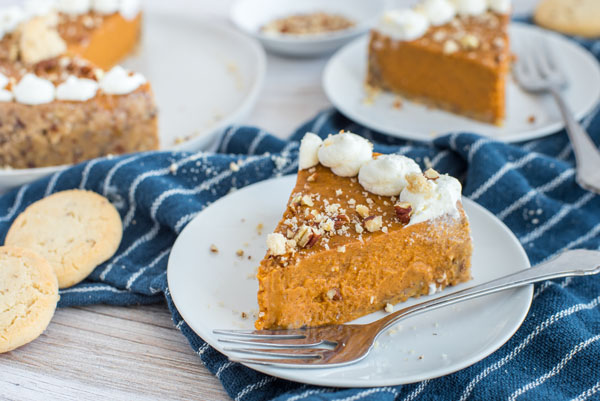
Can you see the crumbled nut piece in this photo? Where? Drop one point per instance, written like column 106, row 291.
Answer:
column 289, row 233
column 276, row 243
column 40, row 40
column 531, row 119
column 233, row 166
column 373, row 223
column 358, row 228
column 338, row 192
column 439, row 36
column 213, row 248
column 389, row 308
column 384, row 229
column 498, row 42
column 431, row 174
column 403, row 212
column 307, row 200
column 259, row 228
column 469, row 42
column 261, row 314
column 303, row 235
column 313, row 239
column 417, row 183
column 334, row 294
column 340, row 220
column 351, row 202
column 244, row 315
column 362, row 210
column 312, row 177
column 239, row 252
column 341, row 249
column 173, row 168
column 421, row 357
column 328, row 225
column 450, row 47
column 397, row 103
column 372, row 299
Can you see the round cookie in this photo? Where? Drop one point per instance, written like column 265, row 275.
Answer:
column 573, row 17
column 28, row 297
column 74, row 231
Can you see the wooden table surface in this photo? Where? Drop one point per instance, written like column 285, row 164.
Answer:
column 135, row 353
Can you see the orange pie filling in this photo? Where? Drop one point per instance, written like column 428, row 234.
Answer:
column 360, row 233
column 453, row 56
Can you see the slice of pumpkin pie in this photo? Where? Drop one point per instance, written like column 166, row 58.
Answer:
column 452, row 55
column 361, row 232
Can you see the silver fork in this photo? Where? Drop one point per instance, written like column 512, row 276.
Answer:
column 339, row 345
column 537, row 71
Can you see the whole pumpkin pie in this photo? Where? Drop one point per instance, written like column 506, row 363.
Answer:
column 360, row 233
column 58, row 104
column 450, row 55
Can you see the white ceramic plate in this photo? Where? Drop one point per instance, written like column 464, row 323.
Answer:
column 251, row 15
column 344, row 77
column 205, row 76
column 212, row 290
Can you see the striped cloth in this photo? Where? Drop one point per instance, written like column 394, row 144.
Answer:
column 530, row 186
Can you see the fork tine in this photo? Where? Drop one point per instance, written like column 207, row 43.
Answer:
column 301, row 353
column 284, row 362
column 282, row 343
column 278, row 334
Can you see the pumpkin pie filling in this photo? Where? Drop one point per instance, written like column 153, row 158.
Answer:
column 458, row 63
column 341, row 251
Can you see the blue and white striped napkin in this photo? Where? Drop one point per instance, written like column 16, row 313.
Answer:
column 530, row 186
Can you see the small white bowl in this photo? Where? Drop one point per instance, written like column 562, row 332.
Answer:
column 251, row 15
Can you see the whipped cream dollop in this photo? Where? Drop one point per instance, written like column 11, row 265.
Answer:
column 119, row 81
column 500, row 6
column 33, row 90
column 403, row 24
column 438, row 12
column 129, row 9
column 471, row 7
column 38, row 8
column 74, row 7
column 430, row 199
column 309, row 151
column 6, row 96
column 345, row 153
column 77, row 89
column 10, row 18
column 106, row 6
column 3, row 80
column 386, row 175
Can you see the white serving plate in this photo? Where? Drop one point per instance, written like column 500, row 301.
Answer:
column 212, row 290
column 205, row 75
column 251, row 15
column 344, row 77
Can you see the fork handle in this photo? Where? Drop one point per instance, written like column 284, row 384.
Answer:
column 579, row 262
column 586, row 154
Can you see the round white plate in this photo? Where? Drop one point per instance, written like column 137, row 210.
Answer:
column 212, row 290
column 344, row 77
column 205, row 76
column 251, row 15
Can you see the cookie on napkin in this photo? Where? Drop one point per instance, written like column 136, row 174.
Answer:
column 74, row 230
column 28, row 296
column 573, row 17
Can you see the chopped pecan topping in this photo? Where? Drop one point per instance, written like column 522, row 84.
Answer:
column 312, row 177
column 403, row 212
column 334, row 294
column 373, row 223
column 314, row 237
column 431, row 174
column 340, row 220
